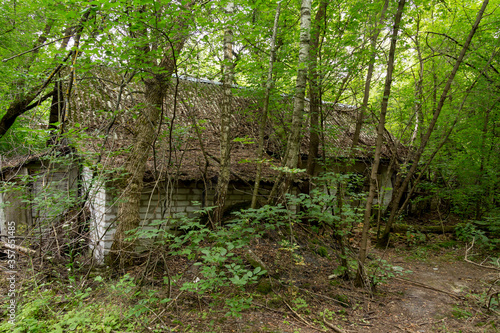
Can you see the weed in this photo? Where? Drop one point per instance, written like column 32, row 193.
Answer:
column 460, row 313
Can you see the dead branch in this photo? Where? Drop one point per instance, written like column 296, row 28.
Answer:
column 328, row 298
column 22, row 249
column 302, row 319
column 418, row 284
column 265, row 307
column 491, row 298
column 18, row 248
column 466, row 259
column 331, row 326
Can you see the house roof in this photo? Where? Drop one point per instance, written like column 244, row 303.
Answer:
column 194, row 112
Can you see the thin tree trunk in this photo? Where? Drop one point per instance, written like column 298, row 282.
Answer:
column 57, row 106
column 425, row 139
column 293, row 147
column 378, row 149
column 265, row 108
column 315, row 88
column 418, row 90
column 479, row 183
column 226, row 114
column 369, row 74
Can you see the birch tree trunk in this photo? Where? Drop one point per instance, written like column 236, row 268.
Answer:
column 380, row 135
column 265, row 108
column 293, row 147
column 425, row 138
column 226, row 113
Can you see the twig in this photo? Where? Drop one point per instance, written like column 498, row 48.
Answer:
column 302, row 319
column 22, row 249
column 491, row 298
column 265, row 307
column 328, row 298
column 35, row 48
column 331, row 326
column 466, row 259
column 428, row 287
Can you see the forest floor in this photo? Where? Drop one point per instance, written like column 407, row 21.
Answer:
column 437, row 292
column 427, row 287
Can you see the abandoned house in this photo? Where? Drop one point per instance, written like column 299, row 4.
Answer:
column 183, row 167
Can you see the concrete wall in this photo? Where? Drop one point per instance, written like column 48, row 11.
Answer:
column 158, row 203
column 384, row 177
column 102, row 215
column 169, row 204
column 12, row 207
column 37, row 195
column 54, row 190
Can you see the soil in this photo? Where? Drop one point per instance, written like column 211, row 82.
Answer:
column 437, row 292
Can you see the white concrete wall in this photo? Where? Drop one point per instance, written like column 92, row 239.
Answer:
column 156, row 205
column 102, row 217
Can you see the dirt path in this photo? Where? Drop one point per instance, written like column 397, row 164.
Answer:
column 436, row 298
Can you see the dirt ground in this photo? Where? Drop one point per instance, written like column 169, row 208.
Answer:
column 437, row 291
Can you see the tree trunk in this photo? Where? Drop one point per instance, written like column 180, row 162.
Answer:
column 293, row 146
column 225, row 128
column 128, row 209
column 378, row 149
column 265, row 108
column 147, row 123
column 369, row 74
column 315, row 88
column 22, row 104
column 425, row 139
column 55, row 112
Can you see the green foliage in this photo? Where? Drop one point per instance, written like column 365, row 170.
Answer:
column 414, row 237
column 323, row 252
column 468, row 232
column 42, row 310
column 380, row 271
column 491, row 224
column 484, row 233
column 460, row 313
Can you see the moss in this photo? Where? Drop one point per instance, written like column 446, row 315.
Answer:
column 448, row 244
column 322, row 251
column 275, row 303
column 264, row 287
column 342, row 298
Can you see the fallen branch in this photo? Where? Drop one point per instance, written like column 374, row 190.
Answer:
column 423, row 229
column 331, row 326
column 17, row 248
column 418, row 284
column 22, row 249
column 466, row 259
column 255, row 261
column 265, row 307
column 302, row 319
column 328, row 298
column 491, row 298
